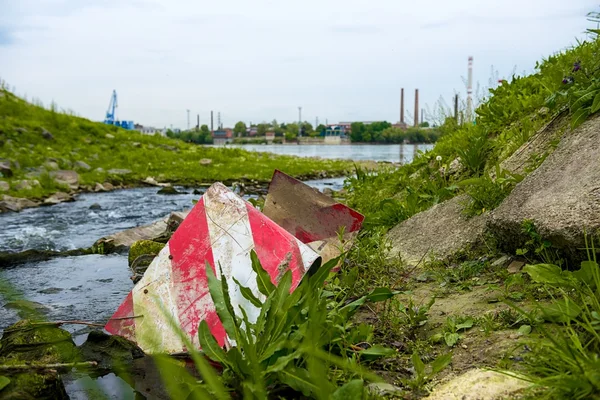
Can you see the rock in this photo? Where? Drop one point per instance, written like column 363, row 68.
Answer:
column 82, row 165
column 52, row 290
column 158, row 231
column 47, row 135
column 136, row 144
column 5, row 169
column 205, row 161
column 109, row 136
column 15, row 204
column 117, row 171
column 110, row 352
column 108, row 186
column 170, row 148
column 21, row 130
column 382, row 389
column 51, row 165
column 561, row 197
column 515, row 266
column 94, row 156
column 59, row 197
column 478, row 384
column 25, row 185
column 33, row 343
column 99, row 170
column 96, row 206
column 151, row 181
column 196, row 191
column 455, row 166
column 168, row 190
column 500, row 262
column 99, row 187
column 328, row 192
column 144, row 247
column 4, row 186
column 440, row 232
column 66, row 177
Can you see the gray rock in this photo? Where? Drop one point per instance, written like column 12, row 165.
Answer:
column 478, row 384
column 440, row 232
column 47, row 135
column 4, row 186
column 66, row 177
column 9, row 203
column 168, row 190
column 502, row 261
column 21, row 130
column 109, row 136
column 136, row 144
column 52, row 290
column 95, row 206
column 59, row 197
column 51, row 165
column 151, row 181
column 94, row 156
column 5, row 169
column 99, row 188
column 82, row 165
column 25, row 184
column 99, row 170
column 108, row 186
column 117, row 171
column 561, row 197
column 328, row 192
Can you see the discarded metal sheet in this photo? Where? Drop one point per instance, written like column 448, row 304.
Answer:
column 311, row 216
column 221, row 229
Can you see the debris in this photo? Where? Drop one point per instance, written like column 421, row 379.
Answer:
column 221, row 230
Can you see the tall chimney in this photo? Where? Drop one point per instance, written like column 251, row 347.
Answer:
column 401, row 106
column 416, row 107
column 198, row 122
column 211, row 123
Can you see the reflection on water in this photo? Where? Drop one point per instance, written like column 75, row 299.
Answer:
column 399, row 153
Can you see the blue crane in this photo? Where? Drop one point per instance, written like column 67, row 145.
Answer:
column 112, row 108
column 111, row 118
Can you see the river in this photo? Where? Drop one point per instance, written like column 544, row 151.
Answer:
column 397, row 153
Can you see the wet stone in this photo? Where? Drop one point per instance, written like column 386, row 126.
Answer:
column 52, row 290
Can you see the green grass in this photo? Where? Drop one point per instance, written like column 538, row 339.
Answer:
column 167, row 160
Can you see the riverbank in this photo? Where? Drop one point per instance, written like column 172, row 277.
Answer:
column 43, row 152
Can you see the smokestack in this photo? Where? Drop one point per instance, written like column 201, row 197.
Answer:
column 470, row 90
column 211, row 123
column 198, row 122
column 402, row 106
column 416, row 107
column 456, row 108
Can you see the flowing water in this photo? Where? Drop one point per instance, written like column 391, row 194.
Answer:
column 87, row 288
column 398, row 153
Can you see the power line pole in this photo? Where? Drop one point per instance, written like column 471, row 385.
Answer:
column 299, row 121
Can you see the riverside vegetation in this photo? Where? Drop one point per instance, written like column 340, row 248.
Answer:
column 381, row 327
column 35, row 141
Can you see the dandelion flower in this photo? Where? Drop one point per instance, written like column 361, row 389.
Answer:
column 438, row 158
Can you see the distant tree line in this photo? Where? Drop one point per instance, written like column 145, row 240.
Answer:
column 198, row 136
column 384, row 132
column 289, row 131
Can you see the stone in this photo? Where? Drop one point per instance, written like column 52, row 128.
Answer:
column 561, row 197
column 455, row 166
column 478, row 384
column 109, row 136
column 96, row 206
column 500, row 262
column 168, row 190
column 382, row 389
column 109, row 351
column 159, row 230
column 21, row 130
column 196, row 192
column 170, row 148
column 58, row 197
column 52, row 290
column 205, row 161
column 26, row 307
column 144, row 247
column 66, row 177
column 6, row 169
column 25, row 184
column 151, row 181
column 99, row 170
column 15, row 204
column 515, row 266
column 328, row 192
column 117, row 171
column 82, row 165
column 99, row 188
column 108, row 186
column 4, row 186
column 136, row 144
column 47, row 135
column 439, row 232
column 51, row 165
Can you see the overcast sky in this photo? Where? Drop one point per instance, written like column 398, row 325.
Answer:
column 256, row 60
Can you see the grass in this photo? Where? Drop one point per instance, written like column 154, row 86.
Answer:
column 165, row 159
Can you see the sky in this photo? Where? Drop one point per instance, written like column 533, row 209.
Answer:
column 259, row 60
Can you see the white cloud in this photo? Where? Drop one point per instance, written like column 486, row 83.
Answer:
column 259, row 60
